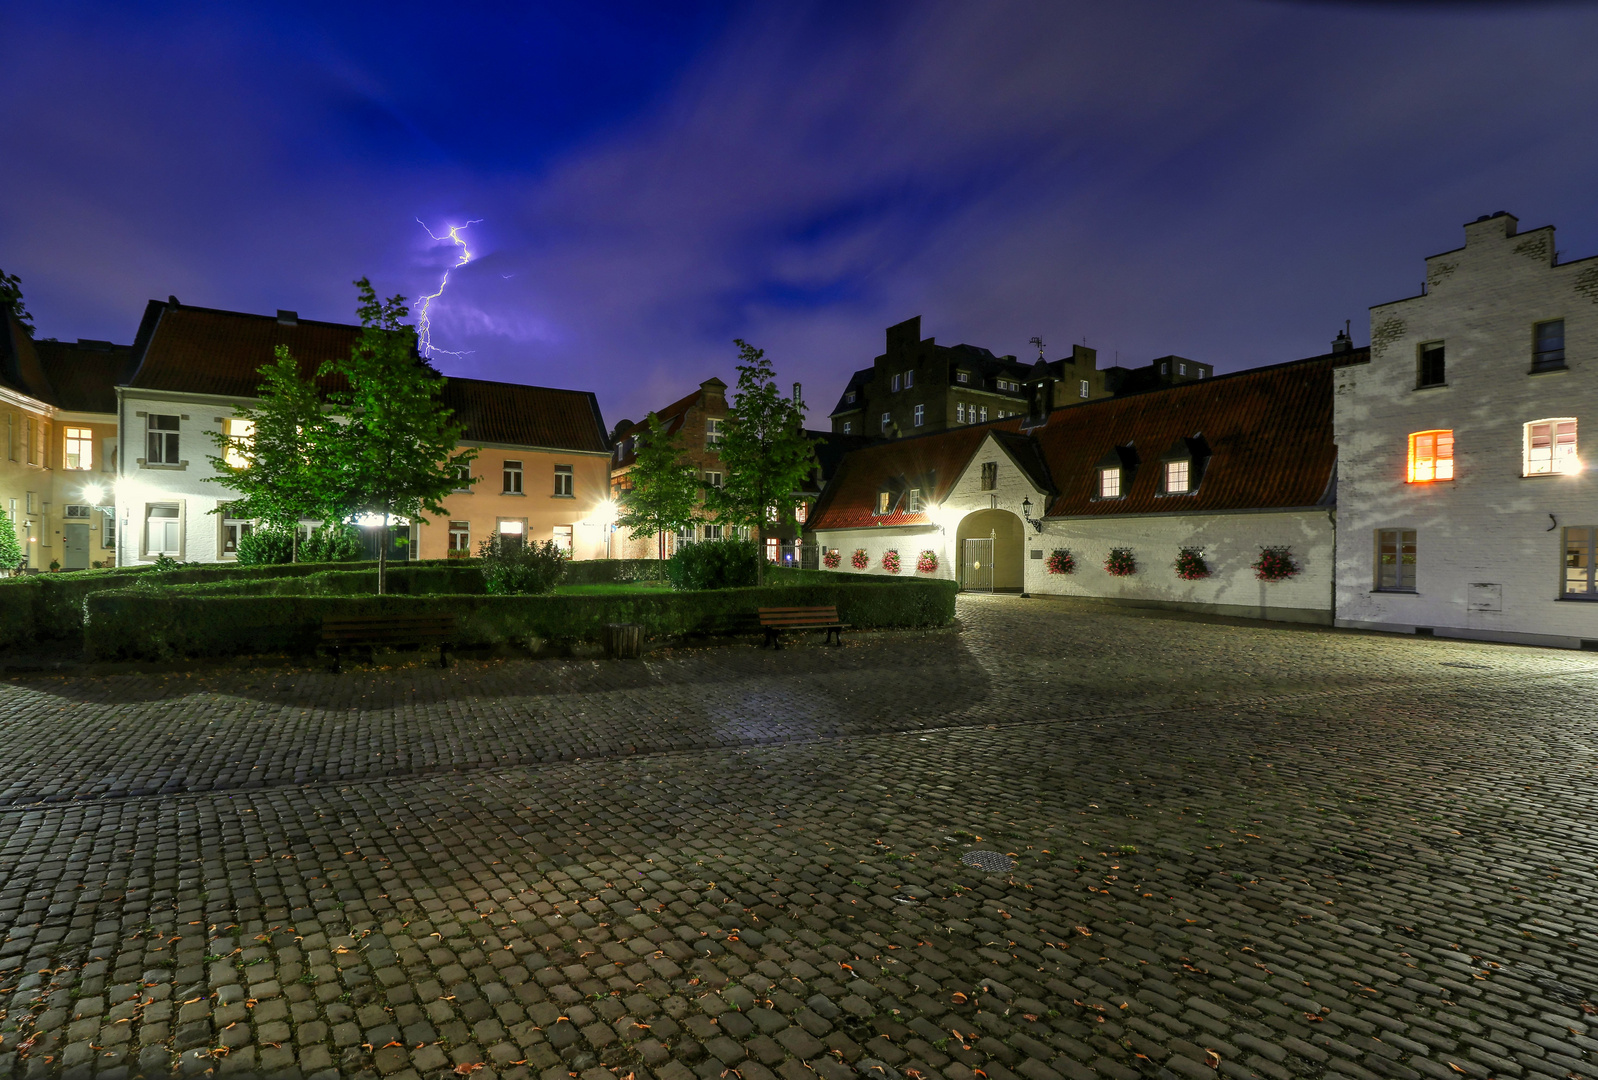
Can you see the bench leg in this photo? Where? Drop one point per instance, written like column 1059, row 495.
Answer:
column 834, row 636
column 773, row 638
column 443, row 656
column 335, row 669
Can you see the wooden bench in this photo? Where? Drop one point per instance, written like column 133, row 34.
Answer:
column 390, row 630
column 774, row 620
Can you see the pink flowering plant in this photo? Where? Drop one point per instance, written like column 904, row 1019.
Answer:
column 832, row 558
column 1274, row 564
column 1120, row 563
column 1060, row 562
column 1190, row 564
column 890, row 561
column 927, row 563
column 859, row 560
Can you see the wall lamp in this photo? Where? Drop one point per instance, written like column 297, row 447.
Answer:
column 1026, row 512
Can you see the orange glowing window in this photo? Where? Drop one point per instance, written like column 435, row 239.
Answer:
column 1431, row 456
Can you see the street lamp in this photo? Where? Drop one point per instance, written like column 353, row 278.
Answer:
column 1026, row 512
column 93, row 493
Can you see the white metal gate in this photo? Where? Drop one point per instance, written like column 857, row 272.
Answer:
column 977, row 573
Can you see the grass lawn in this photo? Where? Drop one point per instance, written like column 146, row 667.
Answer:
column 613, row 588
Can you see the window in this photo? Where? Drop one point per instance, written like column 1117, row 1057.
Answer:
column 460, row 539
column 913, row 502
column 76, row 510
column 848, row 428
column 108, row 525
column 959, row 412
column 801, row 512
column 511, row 471
column 984, row 419
column 1579, row 563
column 921, row 414
column 239, row 435
column 895, row 382
column 1551, row 447
column 463, row 478
column 1181, row 369
column 884, row 502
column 773, row 548
column 1431, row 456
column 713, row 432
column 563, row 481
column 1109, row 483
column 1548, row 352
column 31, row 505
column 234, row 529
column 108, row 455
column 162, row 434
column 990, row 475
column 27, row 440
column 712, row 532
column 1176, row 473
column 772, row 515
column 1085, row 389
column 1395, row 560
column 563, row 538
column 163, row 530
column 909, row 379
column 713, row 479
column 885, row 421
column 685, row 535
column 1432, row 371
column 80, row 448
column 849, row 398
column 1165, row 369
column 962, row 377
column 11, row 436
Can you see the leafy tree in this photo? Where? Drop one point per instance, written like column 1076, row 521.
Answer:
column 663, row 489
column 11, row 299
column 396, row 451
column 764, row 451
column 285, row 468
column 11, row 554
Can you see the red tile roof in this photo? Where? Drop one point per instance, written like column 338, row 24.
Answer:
column 205, row 351
column 671, row 419
column 1269, row 433
column 85, row 375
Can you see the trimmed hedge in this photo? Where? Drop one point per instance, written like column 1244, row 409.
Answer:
column 403, row 580
column 612, row 571
column 145, row 624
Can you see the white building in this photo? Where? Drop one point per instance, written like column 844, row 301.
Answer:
column 1464, row 508
column 1224, row 469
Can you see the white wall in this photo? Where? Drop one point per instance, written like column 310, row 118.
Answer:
column 1490, row 524
column 137, row 486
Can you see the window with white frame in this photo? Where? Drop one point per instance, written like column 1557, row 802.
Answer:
column 1181, row 369
column 848, row 428
column 27, row 440
column 1581, row 544
column 460, row 539
column 884, row 503
column 685, row 535
column 920, row 415
column 463, row 478
column 801, row 512
column 895, row 383
column 162, row 440
column 713, row 479
column 712, row 532
column 163, row 529
column 108, row 525
column 1110, row 483
column 885, row 421
column 563, row 481
column 1176, row 477
column 962, row 377
column 912, row 503
column 240, row 433
column 79, row 448
column 713, row 431
column 234, row 529
column 1551, row 447
column 909, row 379
column 773, row 548
column 984, row 412
column 959, row 412
column 511, row 472
column 772, row 515
column 1085, row 389
column 1396, row 560
column 562, row 537
column 1548, row 345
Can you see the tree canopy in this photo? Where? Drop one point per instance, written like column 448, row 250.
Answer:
column 11, row 300
column 662, row 486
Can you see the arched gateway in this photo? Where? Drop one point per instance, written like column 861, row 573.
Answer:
column 989, row 547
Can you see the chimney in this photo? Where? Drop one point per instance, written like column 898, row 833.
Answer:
column 172, row 301
column 1343, row 343
column 288, row 318
column 796, row 391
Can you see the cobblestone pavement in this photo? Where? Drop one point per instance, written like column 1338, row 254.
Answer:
column 1234, row 850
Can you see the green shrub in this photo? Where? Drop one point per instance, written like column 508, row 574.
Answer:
column 266, row 547
column 168, row 623
column 513, row 566
column 338, row 542
column 714, row 564
column 613, row 571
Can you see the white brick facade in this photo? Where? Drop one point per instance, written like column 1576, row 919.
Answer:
column 1490, row 542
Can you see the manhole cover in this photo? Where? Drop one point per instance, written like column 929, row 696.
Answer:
column 991, row 861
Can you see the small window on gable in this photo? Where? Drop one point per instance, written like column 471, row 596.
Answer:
column 1551, row 447
column 990, row 475
column 849, row 397
column 1431, row 456
column 1110, row 482
column 962, row 377
column 1548, row 349
column 1432, row 371
column 1086, row 389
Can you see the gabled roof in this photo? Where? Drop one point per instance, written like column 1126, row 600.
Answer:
column 671, row 419
column 856, row 381
column 20, row 369
column 1268, row 430
column 540, row 416
column 206, row 351
column 85, row 374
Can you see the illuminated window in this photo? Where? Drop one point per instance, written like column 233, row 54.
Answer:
column 1109, row 483
column 1579, row 563
column 1551, row 447
column 773, row 548
column 239, row 434
column 884, row 502
column 772, row 515
column 460, row 539
column 1176, row 477
column 80, row 448
column 801, row 512
column 1395, row 560
column 1431, row 456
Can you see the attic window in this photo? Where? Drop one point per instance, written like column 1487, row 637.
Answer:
column 990, row 475
column 1110, row 483
column 884, row 503
column 849, row 397
column 1176, row 477
column 913, row 502
column 962, row 377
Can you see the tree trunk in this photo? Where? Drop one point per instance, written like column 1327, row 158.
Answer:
column 663, row 545
column 382, row 555
column 294, row 544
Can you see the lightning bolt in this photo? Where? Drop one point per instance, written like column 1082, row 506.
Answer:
column 424, row 326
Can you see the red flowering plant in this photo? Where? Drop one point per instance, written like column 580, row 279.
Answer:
column 832, row 558
column 1274, row 564
column 1190, row 564
column 927, row 563
column 1120, row 563
column 890, row 561
column 859, row 560
column 1060, row 562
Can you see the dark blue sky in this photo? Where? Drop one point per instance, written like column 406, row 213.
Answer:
column 1228, row 181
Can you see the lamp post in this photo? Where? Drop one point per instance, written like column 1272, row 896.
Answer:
column 1026, row 513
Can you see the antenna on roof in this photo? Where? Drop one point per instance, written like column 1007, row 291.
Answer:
column 1039, row 343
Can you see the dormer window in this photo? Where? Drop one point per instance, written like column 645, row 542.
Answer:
column 1113, row 473
column 1176, row 475
column 1110, row 482
column 1182, row 467
column 849, row 398
column 962, row 377
column 884, row 503
column 913, row 501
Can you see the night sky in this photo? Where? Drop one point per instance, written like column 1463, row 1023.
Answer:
column 1226, row 181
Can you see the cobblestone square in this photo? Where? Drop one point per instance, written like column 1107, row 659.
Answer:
column 1234, row 849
